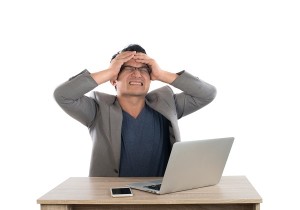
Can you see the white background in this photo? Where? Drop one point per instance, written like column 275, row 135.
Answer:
column 249, row 50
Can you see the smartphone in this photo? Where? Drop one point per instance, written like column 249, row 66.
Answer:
column 121, row 192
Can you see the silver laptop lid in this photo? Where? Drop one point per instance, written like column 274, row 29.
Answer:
column 194, row 164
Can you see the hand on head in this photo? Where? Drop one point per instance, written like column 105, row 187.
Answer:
column 119, row 60
column 143, row 58
column 139, row 57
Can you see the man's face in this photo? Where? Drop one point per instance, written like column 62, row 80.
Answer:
column 133, row 80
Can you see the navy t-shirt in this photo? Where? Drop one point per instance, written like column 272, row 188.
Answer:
column 145, row 148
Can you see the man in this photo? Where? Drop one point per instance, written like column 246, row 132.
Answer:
column 132, row 132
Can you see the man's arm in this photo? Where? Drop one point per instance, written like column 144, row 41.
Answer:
column 167, row 77
column 195, row 94
column 70, row 95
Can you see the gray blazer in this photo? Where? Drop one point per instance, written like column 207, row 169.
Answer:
column 102, row 114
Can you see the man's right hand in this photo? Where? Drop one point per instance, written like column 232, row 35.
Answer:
column 118, row 61
column 112, row 72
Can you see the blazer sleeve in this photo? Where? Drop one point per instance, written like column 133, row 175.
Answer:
column 195, row 93
column 70, row 97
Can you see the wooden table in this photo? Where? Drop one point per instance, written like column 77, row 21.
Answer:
column 93, row 193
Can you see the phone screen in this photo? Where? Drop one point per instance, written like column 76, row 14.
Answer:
column 122, row 191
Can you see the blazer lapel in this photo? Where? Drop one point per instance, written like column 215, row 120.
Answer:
column 115, row 118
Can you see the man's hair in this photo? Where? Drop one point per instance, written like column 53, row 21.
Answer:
column 131, row 47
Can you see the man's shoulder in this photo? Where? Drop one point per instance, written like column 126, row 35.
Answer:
column 163, row 92
column 100, row 97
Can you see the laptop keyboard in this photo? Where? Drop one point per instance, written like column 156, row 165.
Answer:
column 154, row 186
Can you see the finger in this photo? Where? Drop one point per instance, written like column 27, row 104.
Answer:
column 140, row 53
column 144, row 61
column 127, row 58
column 126, row 54
column 140, row 59
column 140, row 56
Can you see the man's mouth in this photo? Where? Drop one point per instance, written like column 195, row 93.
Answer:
column 136, row 83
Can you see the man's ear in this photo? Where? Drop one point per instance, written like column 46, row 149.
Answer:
column 114, row 83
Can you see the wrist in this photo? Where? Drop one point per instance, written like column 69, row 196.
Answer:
column 167, row 77
column 102, row 76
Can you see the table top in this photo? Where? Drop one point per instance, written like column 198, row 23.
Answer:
column 96, row 190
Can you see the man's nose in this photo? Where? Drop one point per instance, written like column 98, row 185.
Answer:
column 136, row 73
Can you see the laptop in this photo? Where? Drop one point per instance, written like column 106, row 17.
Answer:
column 192, row 164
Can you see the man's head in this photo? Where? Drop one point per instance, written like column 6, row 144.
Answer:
column 134, row 77
column 131, row 47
